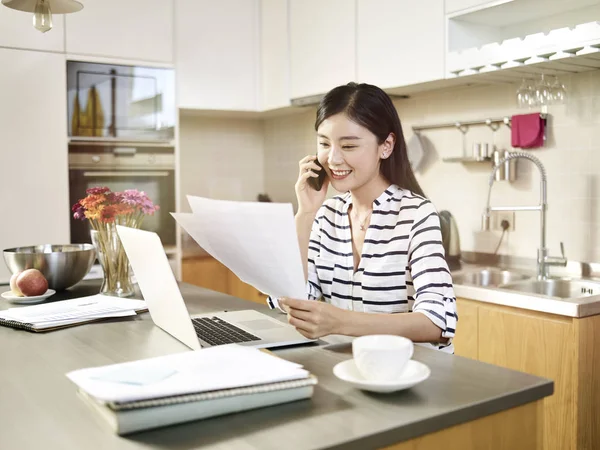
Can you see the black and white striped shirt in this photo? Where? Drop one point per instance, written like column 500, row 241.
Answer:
column 402, row 268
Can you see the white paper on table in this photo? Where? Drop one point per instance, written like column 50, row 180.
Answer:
column 57, row 323
column 74, row 310
column 256, row 240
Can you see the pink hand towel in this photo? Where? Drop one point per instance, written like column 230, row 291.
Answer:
column 527, row 130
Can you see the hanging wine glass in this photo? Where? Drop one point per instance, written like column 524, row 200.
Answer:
column 542, row 92
column 525, row 94
column 558, row 92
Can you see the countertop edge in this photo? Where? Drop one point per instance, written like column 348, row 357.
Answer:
column 579, row 308
column 452, row 418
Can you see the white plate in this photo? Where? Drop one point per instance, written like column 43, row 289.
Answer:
column 8, row 295
column 414, row 373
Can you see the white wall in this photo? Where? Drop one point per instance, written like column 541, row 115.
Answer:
column 571, row 158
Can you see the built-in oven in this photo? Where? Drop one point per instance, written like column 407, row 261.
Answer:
column 126, row 168
column 121, row 135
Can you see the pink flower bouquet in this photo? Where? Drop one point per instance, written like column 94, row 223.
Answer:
column 105, row 209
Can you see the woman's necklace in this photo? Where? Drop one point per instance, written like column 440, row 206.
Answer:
column 364, row 221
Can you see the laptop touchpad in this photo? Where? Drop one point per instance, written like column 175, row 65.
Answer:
column 260, row 324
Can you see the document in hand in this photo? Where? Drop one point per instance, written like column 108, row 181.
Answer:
column 60, row 314
column 256, row 241
column 177, row 388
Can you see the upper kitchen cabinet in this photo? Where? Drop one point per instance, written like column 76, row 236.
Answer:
column 322, row 45
column 34, row 198
column 400, row 42
column 489, row 36
column 217, row 54
column 139, row 30
column 275, row 54
column 16, row 31
column 452, row 6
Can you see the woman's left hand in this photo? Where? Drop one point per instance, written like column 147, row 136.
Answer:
column 313, row 319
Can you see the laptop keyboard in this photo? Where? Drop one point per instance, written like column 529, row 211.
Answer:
column 216, row 331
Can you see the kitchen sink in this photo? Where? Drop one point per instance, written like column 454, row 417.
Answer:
column 560, row 287
column 489, row 276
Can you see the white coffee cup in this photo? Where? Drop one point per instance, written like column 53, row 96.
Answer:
column 381, row 357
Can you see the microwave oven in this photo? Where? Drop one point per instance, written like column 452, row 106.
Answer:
column 111, row 102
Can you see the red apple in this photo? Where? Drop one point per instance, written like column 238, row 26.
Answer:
column 13, row 284
column 32, row 282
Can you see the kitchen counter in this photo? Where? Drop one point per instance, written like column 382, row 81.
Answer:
column 551, row 337
column 40, row 408
column 575, row 307
column 579, row 307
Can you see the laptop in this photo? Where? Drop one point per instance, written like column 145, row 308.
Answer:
column 168, row 311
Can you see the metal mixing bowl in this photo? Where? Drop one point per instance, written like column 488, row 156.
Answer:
column 62, row 265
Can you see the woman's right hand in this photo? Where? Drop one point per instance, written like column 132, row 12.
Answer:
column 309, row 199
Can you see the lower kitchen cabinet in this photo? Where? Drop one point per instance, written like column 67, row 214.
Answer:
column 563, row 349
column 205, row 272
column 466, row 341
column 238, row 288
column 209, row 273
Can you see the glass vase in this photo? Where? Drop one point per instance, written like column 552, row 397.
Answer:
column 114, row 262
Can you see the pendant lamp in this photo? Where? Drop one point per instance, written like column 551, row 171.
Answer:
column 43, row 9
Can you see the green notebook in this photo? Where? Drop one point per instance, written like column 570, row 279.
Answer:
column 130, row 417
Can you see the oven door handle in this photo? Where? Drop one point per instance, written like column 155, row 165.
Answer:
column 125, row 174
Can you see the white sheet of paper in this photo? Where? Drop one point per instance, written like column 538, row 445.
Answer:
column 74, row 310
column 107, row 315
column 136, row 375
column 257, row 241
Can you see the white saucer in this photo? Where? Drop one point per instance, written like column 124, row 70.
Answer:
column 414, row 373
column 8, row 295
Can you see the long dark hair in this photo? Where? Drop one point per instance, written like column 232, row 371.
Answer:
column 370, row 107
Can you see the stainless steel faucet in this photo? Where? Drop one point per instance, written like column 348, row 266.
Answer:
column 543, row 260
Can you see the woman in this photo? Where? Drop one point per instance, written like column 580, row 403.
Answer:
column 375, row 250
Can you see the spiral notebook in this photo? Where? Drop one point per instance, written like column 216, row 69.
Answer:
column 68, row 313
column 187, row 386
column 131, row 417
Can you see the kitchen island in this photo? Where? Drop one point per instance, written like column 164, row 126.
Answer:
column 465, row 404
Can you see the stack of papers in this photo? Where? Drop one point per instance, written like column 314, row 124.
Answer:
column 69, row 312
column 210, row 369
column 256, row 241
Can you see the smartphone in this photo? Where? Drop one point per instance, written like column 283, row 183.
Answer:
column 317, row 183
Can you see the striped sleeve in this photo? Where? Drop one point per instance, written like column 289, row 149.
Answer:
column 434, row 295
column 313, row 285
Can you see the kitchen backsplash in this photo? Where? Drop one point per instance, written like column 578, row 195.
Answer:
column 220, row 158
column 571, row 157
column 237, row 158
